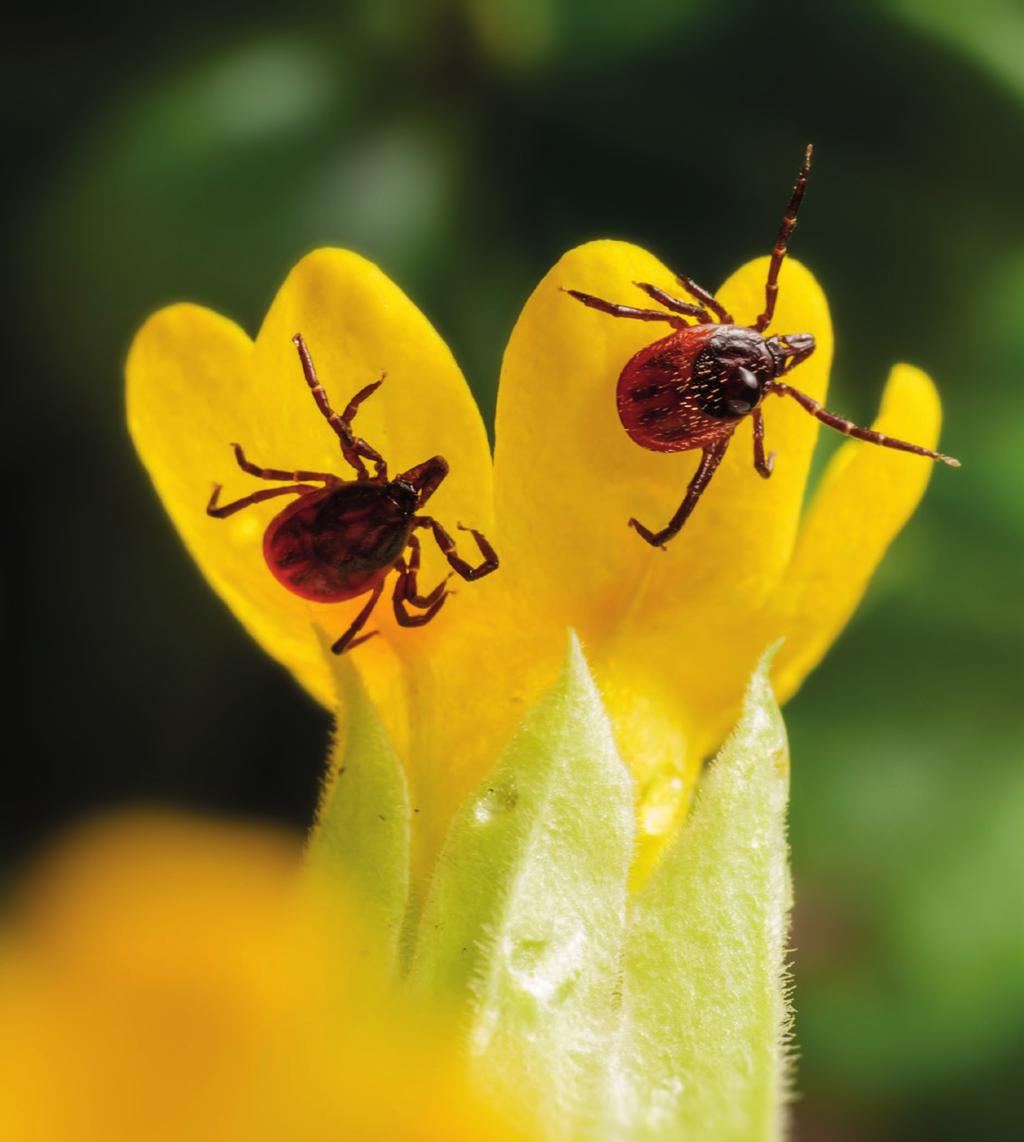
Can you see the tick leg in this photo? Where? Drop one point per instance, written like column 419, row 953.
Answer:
column 366, row 391
column 402, row 596
column 675, row 304
column 626, row 310
column 450, row 552
column 404, row 593
column 710, row 460
column 410, row 571
column 353, row 448
column 771, row 288
column 763, row 464
column 222, row 511
column 277, row 473
column 362, row 449
column 706, row 299
column 348, row 640
column 405, row 619
column 848, row 428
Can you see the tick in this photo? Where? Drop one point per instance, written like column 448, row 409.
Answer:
column 340, row 540
column 693, row 388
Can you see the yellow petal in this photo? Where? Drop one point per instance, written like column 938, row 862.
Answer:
column 196, row 383
column 865, row 497
column 567, row 477
column 670, row 633
column 191, row 390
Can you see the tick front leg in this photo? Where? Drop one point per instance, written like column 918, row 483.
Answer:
column 450, row 552
column 848, row 428
column 771, row 287
column 359, row 446
column 348, row 640
column 366, row 391
column 360, row 450
column 626, row 310
column 278, row 473
column 763, row 464
column 222, row 511
column 710, row 460
column 354, row 449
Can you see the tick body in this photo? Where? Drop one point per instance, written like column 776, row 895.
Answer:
column 693, row 388
column 340, row 542
column 341, row 539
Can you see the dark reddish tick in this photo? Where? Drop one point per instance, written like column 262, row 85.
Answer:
column 341, row 540
column 692, row 388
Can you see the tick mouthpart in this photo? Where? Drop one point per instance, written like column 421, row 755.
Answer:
column 789, row 349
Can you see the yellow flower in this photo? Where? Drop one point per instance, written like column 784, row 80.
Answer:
column 165, row 979
column 671, row 637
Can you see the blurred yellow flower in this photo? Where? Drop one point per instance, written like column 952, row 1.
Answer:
column 167, row 979
column 671, row 637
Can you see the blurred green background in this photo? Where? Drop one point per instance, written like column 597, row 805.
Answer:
column 196, row 152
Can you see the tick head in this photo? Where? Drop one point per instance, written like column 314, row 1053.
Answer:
column 423, row 480
column 789, row 349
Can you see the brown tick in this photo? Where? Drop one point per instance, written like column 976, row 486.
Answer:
column 692, row 388
column 340, row 540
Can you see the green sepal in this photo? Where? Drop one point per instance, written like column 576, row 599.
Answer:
column 523, row 925
column 363, row 828
column 701, row 1050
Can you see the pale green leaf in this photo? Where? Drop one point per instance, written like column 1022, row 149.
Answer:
column 701, row 1049
column 523, row 925
column 362, row 834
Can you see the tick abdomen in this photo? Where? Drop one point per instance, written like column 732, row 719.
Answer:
column 659, row 405
column 336, row 544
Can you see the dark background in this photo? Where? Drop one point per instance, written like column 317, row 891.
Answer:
column 196, row 151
